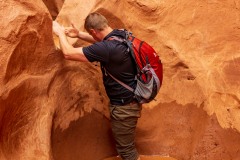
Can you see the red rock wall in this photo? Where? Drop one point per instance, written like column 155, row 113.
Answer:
column 51, row 108
column 26, row 62
column 37, row 83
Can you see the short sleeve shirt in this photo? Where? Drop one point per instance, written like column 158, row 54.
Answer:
column 116, row 59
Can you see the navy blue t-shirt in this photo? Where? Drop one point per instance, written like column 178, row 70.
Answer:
column 115, row 58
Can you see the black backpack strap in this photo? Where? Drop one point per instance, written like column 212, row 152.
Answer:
column 129, row 44
column 139, row 50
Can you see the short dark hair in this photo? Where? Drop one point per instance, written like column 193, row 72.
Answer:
column 95, row 21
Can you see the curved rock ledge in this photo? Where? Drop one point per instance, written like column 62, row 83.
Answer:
column 51, row 108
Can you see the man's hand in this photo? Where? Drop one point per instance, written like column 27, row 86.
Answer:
column 72, row 32
column 58, row 29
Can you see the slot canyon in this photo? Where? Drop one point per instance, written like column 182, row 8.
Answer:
column 55, row 109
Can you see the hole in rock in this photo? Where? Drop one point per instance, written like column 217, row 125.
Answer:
column 54, row 7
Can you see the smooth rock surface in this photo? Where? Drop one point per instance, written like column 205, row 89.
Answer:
column 51, row 108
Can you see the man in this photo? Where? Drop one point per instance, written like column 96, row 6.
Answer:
column 115, row 59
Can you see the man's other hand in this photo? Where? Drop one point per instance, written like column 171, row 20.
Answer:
column 58, row 29
column 72, row 32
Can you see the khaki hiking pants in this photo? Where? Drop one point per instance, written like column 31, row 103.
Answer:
column 123, row 122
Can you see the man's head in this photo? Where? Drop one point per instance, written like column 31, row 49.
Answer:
column 95, row 23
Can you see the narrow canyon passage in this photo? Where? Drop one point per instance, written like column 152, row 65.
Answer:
column 54, row 109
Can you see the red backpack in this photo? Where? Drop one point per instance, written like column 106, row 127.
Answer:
column 149, row 68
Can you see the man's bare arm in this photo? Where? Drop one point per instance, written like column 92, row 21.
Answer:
column 68, row 50
column 75, row 33
column 86, row 37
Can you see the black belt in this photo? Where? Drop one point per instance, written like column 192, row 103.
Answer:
column 134, row 101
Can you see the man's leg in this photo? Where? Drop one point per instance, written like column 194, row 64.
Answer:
column 124, row 120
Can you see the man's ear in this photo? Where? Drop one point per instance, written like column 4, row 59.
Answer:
column 92, row 31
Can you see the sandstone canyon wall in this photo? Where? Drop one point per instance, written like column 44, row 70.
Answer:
column 51, row 108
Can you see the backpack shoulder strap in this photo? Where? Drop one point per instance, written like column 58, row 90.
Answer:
column 120, row 82
column 128, row 43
